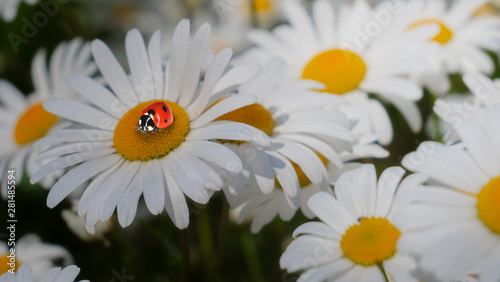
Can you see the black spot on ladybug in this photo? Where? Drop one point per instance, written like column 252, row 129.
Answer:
column 164, row 109
column 151, row 112
column 166, row 121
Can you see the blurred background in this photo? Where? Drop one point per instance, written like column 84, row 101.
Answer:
column 151, row 248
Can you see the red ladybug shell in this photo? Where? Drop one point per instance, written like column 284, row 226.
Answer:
column 160, row 113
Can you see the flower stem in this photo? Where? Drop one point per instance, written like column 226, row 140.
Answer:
column 221, row 241
column 184, row 234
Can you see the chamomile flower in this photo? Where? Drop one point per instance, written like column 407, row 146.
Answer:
column 452, row 109
column 8, row 8
column 29, row 249
column 123, row 163
column 24, row 120
column 350, row 52
column 454, row 222
column 305, row 136
column 358, row 236
column 462, row 38
column 56, row 274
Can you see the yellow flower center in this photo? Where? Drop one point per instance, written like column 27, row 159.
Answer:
column 136, row 146
column 254, row 115
column 339, row 70
column 488, row 205
column 261, row 5
column 5, row 264
column 444, row 34
column 371, row 241
column 487, row 9
column 33, row 124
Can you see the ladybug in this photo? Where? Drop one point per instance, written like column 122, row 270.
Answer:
column 155, row 117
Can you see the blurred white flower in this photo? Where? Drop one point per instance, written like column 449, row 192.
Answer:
column 123, row 163
column 29, row 249
column 353, row 50
column 358, row 236
column 23, row 119
column 8, row 8
column 453, row 224
column 462, row 38
column 311, row 141
column 452, row 110
column 56, row 274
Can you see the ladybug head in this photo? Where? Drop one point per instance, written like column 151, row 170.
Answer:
column 146, row 124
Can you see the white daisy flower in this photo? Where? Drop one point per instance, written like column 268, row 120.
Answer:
column 56, row 274
column 29, row 249
column 358, row 238
column 305, row 136
column 352, row 53
column 463, row 37
column 8, row 8
column 454, row 223
column 227, row 32
column 124, row 163
column 24, row 121
column 453, row 109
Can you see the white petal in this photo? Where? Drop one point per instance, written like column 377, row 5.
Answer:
column 232, row 79
column 127, row 205
column 11, row 97
column 310, row 251
column 229, row 130
column 305, row 158
column 286, row 175
column 154, row 187
column 75, row 177
column 175, row 202
column 386, row 187
column 181, row 171
column 212, row 75
column 69, row 160
column 177, row 61
column 68, row 273
column 225, row 106
column 318, row 229
column 113, row 192
column 398, row 87
column 216, row 153
column 330, row 211
column 80, row 112
column 97, row 94
column 196, row 53
column 138, row 60
column 260, row 166
column 113, row 73
column 490, row 270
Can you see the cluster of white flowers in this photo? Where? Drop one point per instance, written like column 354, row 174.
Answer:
column 284, row 125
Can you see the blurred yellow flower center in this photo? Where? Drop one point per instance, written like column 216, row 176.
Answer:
column 488, row 205
column 371, row 241
column 339, row 70
column 136, row 146
column 444, row 34
column 487, row 9
column 33, row 124
column 5, row 264
column 303, row 179
column 254, row 115
column 261, row 5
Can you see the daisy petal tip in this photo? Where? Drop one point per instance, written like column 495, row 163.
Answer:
column 234, row 166
column 262, row 139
